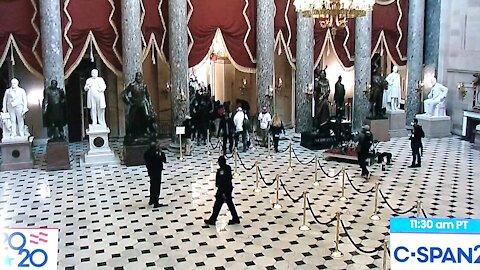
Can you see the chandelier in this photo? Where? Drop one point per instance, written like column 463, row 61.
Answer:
column 334, row 13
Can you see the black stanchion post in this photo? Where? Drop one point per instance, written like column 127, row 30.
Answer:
column 337, row 253
column 235, row 156
column 257, row 187
column 316, row 183
column 343, row 198
column 290, row 168
column 375, row 216
column 304, row 226
column 277, row 205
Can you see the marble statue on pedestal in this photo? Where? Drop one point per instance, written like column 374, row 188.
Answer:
column 14, row 110
column 321, row 93
column 339, row 98
column 141, row 121
column 435, row 102
column 392, row 95
column 95, row 87
column 54, row 111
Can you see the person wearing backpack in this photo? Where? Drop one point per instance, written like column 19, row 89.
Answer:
column 416, row 144
column 239, row 120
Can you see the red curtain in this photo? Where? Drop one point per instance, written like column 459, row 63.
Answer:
column 155, row 24
column 285, row 25
column 234, row 18
column 16, row 25
column 102, row 18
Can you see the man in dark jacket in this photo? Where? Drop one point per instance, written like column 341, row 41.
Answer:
column 365, row 141
column 154, row 159
column 223, row 181
column 416, row 144
column 226, row 130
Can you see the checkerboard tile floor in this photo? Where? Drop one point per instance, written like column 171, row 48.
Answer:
column 105, row 222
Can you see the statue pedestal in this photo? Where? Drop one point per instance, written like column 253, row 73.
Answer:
column 477, row 137
column 397, row 123
column 58, row 157
column 435, row 126
column 99, row 152
column 16, row 154
column 379, row 129
column 133, row 155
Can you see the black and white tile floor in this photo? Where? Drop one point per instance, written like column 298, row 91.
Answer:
column 105, row 222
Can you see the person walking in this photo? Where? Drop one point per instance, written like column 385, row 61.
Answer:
column 416, row 144
column 154, row 159
column 264, row 119
column 223, row 182
column 226, row 130
column 276, row 128
column 239, row 119
column 365, row 141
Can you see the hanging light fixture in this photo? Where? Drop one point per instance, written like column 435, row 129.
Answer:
column 333, row 14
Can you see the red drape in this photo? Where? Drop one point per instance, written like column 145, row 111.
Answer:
column 234, row 18
column 101, row 18
column 285, row 28
column 155, row 27
column 19, row 24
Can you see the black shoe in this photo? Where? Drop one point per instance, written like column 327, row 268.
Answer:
column 418, row 165
column 156, row 205
column 412, row 166
column 234, row 221
column 209, row 222
column 150, row 203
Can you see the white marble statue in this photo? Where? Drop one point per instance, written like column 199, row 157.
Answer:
column 435, row 102
column 392, row 97
column 95, row 87
column 14, row 109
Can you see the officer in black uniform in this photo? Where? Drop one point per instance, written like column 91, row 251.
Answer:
column 154, row 159
column 223, row 181
column 365, row 141
column 416, row 144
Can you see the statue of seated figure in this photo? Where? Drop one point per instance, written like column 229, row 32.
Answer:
column 435, row 103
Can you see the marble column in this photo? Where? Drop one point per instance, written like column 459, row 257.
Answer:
column 178, row 43
column 51, row 37
column 132, row 39
column 304, row 74
column 363, row 66
column 265, row 51
column 432, row 32
column 416, row 30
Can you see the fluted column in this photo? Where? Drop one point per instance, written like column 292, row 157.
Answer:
column 132, row 39
column 304, row 74
column 363, row 67
column 416, row 17
column 51, row 36
column 265, row 51
column 178, row 43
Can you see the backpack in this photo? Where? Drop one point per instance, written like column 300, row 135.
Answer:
column 246, row 123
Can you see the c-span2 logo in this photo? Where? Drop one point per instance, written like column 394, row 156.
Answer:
column 440, row 244
column 29, row 249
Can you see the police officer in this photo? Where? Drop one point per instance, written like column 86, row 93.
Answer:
column 223, row 181
column 154, row 159
column 365, row 141
column 416, row 144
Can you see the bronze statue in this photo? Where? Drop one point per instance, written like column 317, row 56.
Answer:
column 379, row 85
column 141, row 126
column 54, row 111
column 339, row 98
column 321, row 93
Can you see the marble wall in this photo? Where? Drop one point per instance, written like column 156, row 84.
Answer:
column 459, row 54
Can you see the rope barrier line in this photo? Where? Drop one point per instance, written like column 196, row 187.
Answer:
column 357, row 189
column 263, row 179
column 243, row 165
column 288, row 193
column 326, row 173
column 296, row 157
column 424, row 214
column 393, row 209
column 315, row 217
column 375, row 250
